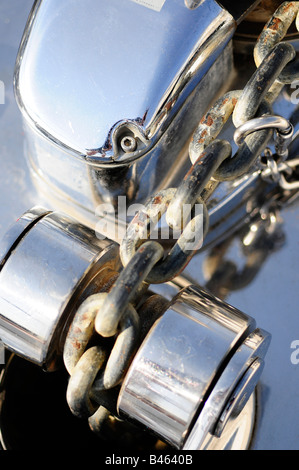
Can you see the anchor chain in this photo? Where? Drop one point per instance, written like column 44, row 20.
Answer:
column 106, row 329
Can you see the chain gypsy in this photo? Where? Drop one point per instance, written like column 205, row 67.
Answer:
column 114, row 314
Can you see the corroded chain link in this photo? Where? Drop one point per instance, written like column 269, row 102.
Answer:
column 113, row 316
column 172, row 201
column 273, row 33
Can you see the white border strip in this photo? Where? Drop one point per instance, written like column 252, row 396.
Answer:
column 152, row 4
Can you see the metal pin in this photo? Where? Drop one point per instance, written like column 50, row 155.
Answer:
column 128, row 144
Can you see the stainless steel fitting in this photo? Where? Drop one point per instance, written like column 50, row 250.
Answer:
column 195, row 371
column 113, row 118
column 192, row 375
column 48, row 265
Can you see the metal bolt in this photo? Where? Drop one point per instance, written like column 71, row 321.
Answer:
column 128, row 144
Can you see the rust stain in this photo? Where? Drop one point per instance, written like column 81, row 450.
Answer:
column 275, row 23
column 210, row 121
column 198, row 163
column 85, row 316
column 157, row 200
column 77, row 330
column 189, row 173
column 288, row 6
column 203, row 137
column 76, row 344
column 207, row 120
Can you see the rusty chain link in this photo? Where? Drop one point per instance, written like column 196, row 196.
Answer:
column 273, row 33
column 96, row 373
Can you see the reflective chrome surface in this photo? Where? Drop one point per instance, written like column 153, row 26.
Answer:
column 96, row 96
column 197, row 367
column 95, row 81
column 47, row 270
column 271, row 296
column 238, row 433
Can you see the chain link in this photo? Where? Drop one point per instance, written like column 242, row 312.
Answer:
column 172, row 202
column 273, row 33
column 97, row 370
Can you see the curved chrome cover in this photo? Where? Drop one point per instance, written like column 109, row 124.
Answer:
column 79, row 77
column 110, row 97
